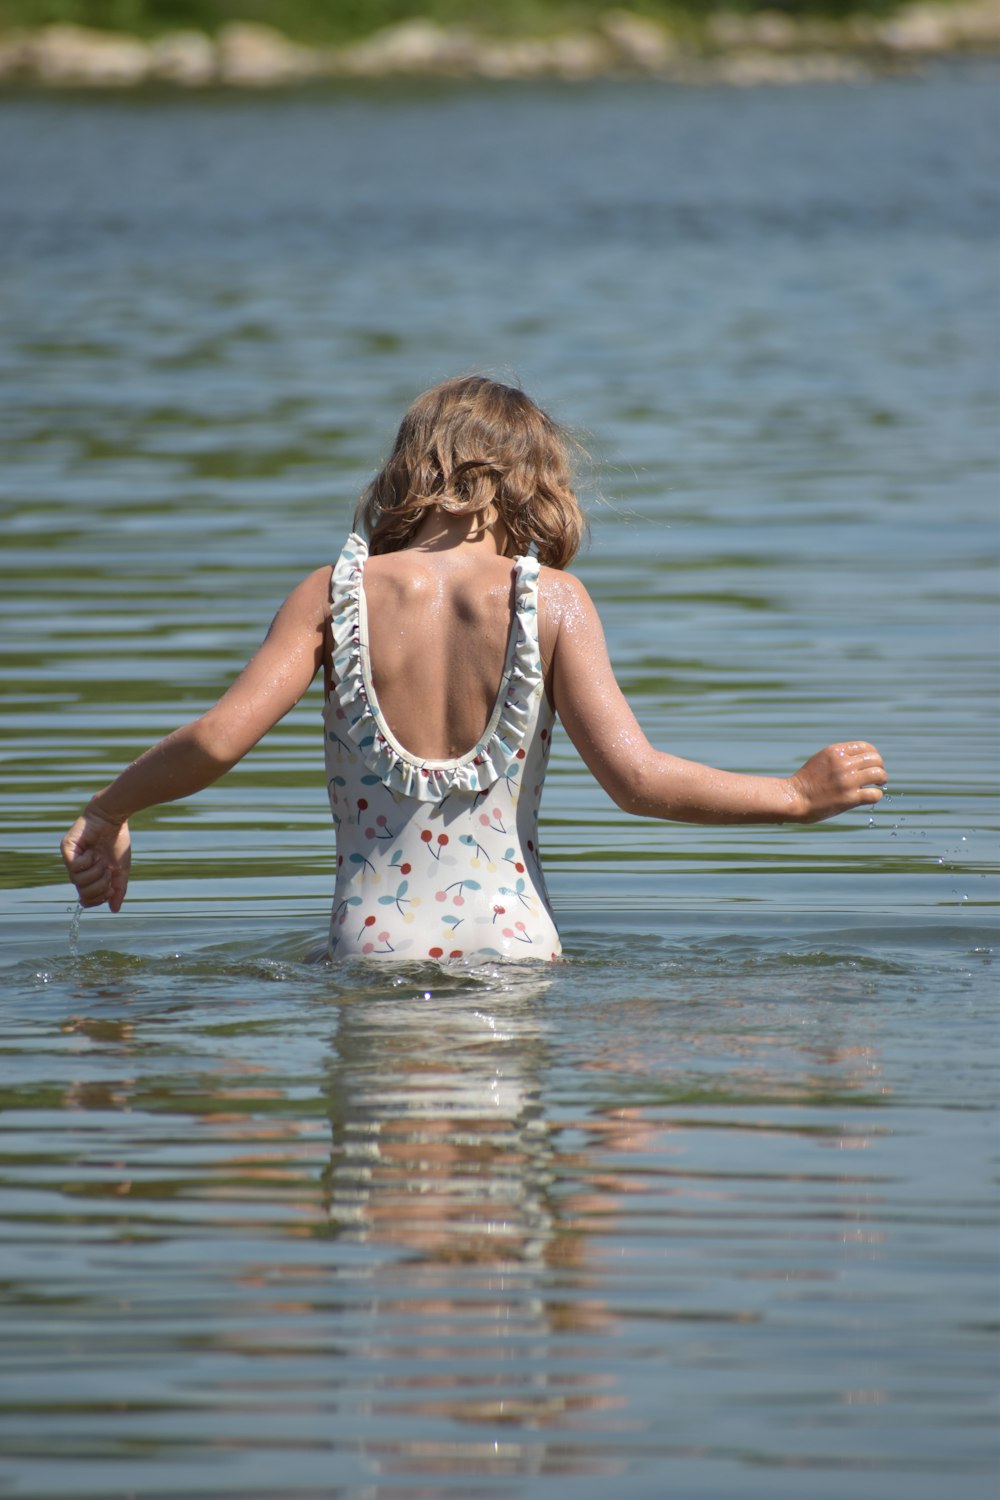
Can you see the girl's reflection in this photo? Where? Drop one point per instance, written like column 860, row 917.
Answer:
column 439, row 1143
column 442, row 1152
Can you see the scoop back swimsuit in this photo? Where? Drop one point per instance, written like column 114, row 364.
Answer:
column 437, row 859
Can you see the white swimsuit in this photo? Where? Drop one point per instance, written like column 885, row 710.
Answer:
column 437, row 858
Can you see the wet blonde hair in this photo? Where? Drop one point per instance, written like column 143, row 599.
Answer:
column 476, row 447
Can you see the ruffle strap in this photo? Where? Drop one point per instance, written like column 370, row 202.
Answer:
column 495, row 755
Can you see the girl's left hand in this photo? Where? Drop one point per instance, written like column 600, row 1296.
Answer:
column 838, row 778
column 98, row 855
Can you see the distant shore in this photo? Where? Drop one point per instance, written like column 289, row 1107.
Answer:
column 768, row 47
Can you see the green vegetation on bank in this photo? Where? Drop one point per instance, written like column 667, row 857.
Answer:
column 331, row 21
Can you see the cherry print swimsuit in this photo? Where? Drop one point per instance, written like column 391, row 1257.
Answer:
column 437, row 858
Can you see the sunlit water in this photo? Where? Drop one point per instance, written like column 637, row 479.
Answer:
column 708, row 1210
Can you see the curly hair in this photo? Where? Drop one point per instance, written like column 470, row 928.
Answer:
column 473, row 446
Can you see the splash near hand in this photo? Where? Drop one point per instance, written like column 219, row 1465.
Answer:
column 97, row 853
column 838, row 778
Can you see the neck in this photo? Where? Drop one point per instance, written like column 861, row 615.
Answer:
column 440, row 530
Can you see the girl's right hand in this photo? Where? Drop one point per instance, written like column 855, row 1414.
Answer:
column 838, row 778
column 97, row 853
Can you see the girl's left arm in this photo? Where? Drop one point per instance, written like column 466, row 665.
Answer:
column 653, row 784
column 96, row 850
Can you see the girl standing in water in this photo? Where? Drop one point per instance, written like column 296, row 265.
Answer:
column 449, row 637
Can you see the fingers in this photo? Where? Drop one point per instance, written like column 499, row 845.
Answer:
column 119, row 885
column 105, row 888
column 94, row 883
column 72, row 847
column 86, row 867
column 80, row 863
column 858, row 752
column 97, row 866
column 863, row 760
column 866, row 773
column 850, row 774
column 95, row 873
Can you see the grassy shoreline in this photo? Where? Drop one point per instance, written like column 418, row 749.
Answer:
column 713, row 45
column 331, row 23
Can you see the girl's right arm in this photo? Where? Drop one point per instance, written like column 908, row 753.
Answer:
column 97, row 849
column 649, row 782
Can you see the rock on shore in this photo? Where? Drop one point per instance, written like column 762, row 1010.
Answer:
column 765, row 47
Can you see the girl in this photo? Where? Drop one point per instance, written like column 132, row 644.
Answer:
column 447, row 649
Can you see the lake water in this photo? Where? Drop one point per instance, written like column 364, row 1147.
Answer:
column 708, row 1210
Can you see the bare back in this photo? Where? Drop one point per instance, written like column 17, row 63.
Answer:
column 439, row 624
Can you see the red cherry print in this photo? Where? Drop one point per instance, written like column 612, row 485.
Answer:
column 368, row 947
column 501, row 911
column 381, row 820
column 436, row 952
column 440, row 895
column 383, row 937
column 455, row 953
column 520, row 927
column 442, row 839
column 508, row 932
column 484, row 820
column 519, row 867
column 369, row 833
column 458, row 900
column 369, row 921
column 405, row 869
column 520, row 755
column 497, row 814
column 362, row 803
column 426, row 835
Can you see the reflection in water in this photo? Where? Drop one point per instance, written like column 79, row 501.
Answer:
column 441, row 1152
column 439, row 1145
column 626, row 1215
column 498, row 1216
